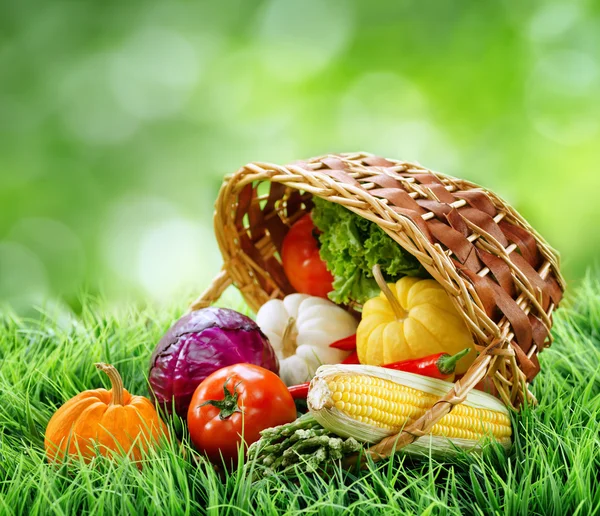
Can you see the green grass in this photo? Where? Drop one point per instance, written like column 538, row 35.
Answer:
column 553, row 468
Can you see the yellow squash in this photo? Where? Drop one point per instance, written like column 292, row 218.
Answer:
column 410, row 319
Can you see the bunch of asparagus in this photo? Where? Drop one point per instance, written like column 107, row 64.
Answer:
column 302, row 445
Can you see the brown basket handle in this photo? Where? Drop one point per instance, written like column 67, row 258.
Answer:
column 213, row 292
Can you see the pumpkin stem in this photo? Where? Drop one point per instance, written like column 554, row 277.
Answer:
column 288, row 339
column 115, row 380
column 392, row 299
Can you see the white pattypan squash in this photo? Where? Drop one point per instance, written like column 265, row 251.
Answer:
column 300, row 329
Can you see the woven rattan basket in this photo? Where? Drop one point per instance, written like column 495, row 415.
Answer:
column 502, row 276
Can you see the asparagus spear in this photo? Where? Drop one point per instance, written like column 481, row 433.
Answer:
column 302, row 444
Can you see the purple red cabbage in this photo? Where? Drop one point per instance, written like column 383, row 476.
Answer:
column 197, row 345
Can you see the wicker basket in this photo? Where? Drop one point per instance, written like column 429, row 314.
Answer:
column 503, row 278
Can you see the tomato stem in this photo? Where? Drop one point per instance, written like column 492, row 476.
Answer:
column 116, row 382
column 394, row 303
column 229, row 404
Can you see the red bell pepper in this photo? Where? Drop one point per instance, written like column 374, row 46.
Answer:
column 439, row 365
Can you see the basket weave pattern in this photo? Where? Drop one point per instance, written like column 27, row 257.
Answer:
column 501, row 275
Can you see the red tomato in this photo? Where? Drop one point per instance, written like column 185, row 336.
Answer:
column 235, row 400
column 302, row 263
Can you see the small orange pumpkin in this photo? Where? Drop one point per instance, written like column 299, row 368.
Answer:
column 108, row 421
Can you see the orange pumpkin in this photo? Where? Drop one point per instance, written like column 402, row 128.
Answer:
column 108, row 421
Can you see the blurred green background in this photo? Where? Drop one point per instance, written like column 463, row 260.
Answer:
column 119, row 119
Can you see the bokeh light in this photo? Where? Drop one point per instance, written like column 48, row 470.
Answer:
column 90, row 111
column 23, row 278
column 553, row 19
column 154, row 72
column 118, row 122
column 299, row 39
column 560, row 93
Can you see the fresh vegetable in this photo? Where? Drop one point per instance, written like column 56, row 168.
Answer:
column 351, row 246
column 300, row 329
column 302, row 264
column 299, row 392
column 197, row 345
column 105, row 422
column 439, row 365
column 232, row 406
column 346, row 344
column 302, row 445
column 408, row 320
column 369, row 403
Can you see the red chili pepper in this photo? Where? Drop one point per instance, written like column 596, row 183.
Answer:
column 440, row 365
column 347, row 344
column 299, row 392
column 352, row 358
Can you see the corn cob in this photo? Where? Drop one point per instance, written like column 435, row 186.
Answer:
column 370, row 403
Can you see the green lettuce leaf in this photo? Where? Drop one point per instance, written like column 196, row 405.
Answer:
column 351, row 246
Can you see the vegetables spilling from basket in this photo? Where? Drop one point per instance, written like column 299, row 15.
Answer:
column 367, row 362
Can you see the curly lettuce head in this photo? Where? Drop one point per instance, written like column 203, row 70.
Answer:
column 351, row 246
